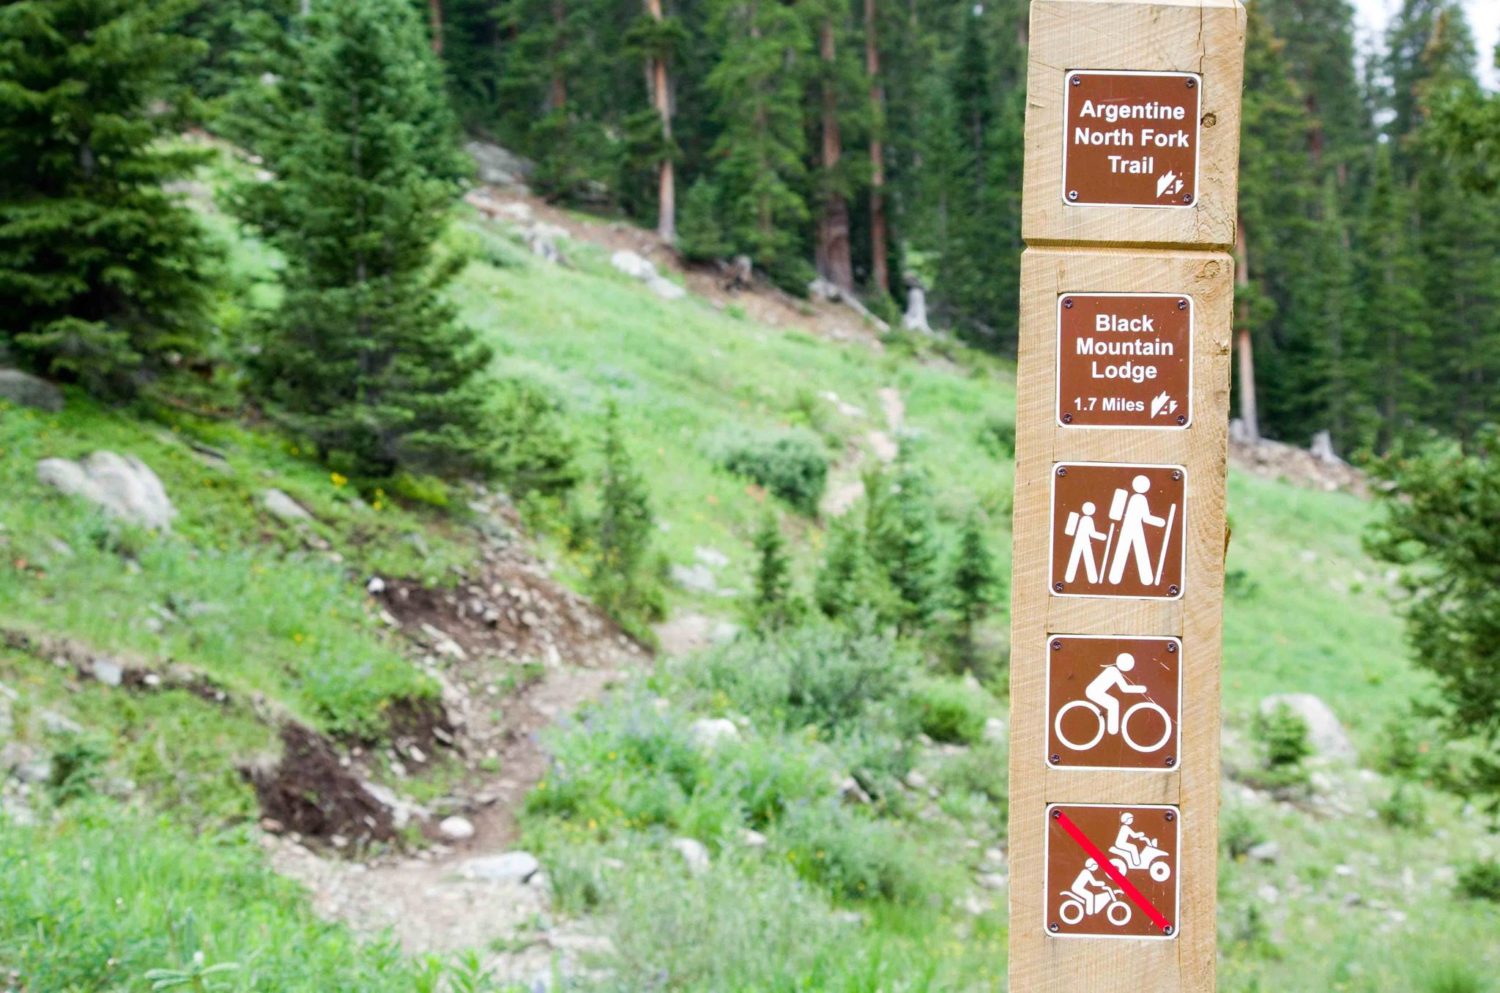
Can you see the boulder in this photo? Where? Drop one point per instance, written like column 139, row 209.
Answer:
column 283, row 506
column 28, row 391
column 510, row 867
column 456, row 828
column 498, row 166
column 710, row 732
column 123, row 486
column 665, row 288
column 633, row 265
column 1265, row 851
column 693, row 853
column 1324, row 732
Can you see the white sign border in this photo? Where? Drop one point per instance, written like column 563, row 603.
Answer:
column 1197, row 145
column 1047, row 861
column 1149, row 770
column 1052, row 535
column 1057, row 379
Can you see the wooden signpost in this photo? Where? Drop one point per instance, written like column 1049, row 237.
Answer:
column 1127, row 292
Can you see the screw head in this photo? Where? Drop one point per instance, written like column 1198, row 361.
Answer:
column 1181, row 418
column 1057, row 587
column 1053, row 927
column 1057, row 815
column 1173, row 590
column 1192, row 83
column 1054, row 758
column 1077, row 80
column 1187, row 198
column 1171, row 647
column 1171, row 816
column 1182, row 304
column 1170, row 761
column 1062, row 470
column 1072, row 194
column 1167, row 929
column 1176, row 475
column 1056, row 645
column 1067, row 303
column 1067, row 418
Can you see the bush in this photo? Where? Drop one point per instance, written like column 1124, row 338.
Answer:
column 700, row 235
column 1281, row 736
column 950, row 710
column 535, row 452
column 853, row 856
column 790, row 464
column 821, row 675
column 1480, row 880
column 619, row 578
column 1404, row 808
column 1240, row 833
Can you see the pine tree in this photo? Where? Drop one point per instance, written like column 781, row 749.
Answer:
column 772, row 605
column 100, row 268
column 364, row 358
column 974, row 583
column 618, row 579
column 700, row 235
column 902, row 532
column 757, row 85
column 847, row 581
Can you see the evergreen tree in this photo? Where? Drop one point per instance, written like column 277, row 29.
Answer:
column 902, row 531
column 772, row 605
column 364, row 358
column 757, row 84
column 847, row 581
column 618, row 579
column 974, row 583
column 700, row 235
column 100, row 268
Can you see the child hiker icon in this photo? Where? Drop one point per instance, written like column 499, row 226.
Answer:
column 1133, row 511
column 1081, row 529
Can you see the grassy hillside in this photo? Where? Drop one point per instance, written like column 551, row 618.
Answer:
column 804, row 889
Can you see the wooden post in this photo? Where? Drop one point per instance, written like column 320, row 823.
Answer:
column 1127, row 307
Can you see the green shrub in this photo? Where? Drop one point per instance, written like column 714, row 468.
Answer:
column 848, row 581
column 1239, row 833
column 1281, row 736
column 1404, row 808
column 700, row 235
column 818, row 674
column 620, row 579
column 950, row 710
column 790, row 464
column 1480, row 880
column 850, row 854
column 982, row 770
column 536, row 453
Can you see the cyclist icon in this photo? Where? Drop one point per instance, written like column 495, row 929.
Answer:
column 1106, row 708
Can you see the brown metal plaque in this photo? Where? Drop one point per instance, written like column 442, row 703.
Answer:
column 1124, row 360
column 1118, row 530
column 1112, row 871
column 1130, row 138
column 1113, row 703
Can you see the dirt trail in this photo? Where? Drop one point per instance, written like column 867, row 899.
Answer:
column 514, row 651
column 846, row 485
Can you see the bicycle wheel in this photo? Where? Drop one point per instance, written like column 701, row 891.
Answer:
column 1166, row 723
column 1058, row 725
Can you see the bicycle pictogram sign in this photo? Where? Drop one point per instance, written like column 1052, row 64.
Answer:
column 1113, row 702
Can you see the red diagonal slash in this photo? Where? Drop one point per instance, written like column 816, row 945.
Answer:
column 1136, row 896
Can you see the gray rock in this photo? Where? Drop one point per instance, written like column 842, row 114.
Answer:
column 283, row 506
column 693, row 853
column 498, row 166
column 711, row 557
column 710, row 732
column 375, row 586
column 851, row 792
column 1265, row 851
column 456, row 828
column 992, row 880
column 633, row 265
column 510, row 867
column 697, row 578
column 995, row 731
column 123, row 486
column 1324, row 732
column 108, row 671
column 665, row 288
column 752, row 838
column 54, row 723
column 28, row 391
column 1268, row 893
column 16, row 811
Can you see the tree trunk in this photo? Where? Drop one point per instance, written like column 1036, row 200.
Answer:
column 833, row 218
column 1243, row 345
column 557, row 90
column 435, row 15
column 661, row 99
column 879, row 275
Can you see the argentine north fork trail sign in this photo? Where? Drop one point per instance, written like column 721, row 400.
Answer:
column 1122, row 389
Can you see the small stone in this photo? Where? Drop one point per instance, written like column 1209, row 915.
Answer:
column 456, row 828
column 108, row 672
column 851, row 792
column 1343, row 870
column 710, row 732
column 375, row 587
column 1265, row 851
column 55, row 723
column 271, row 825
column 280, row 505
column 510, row 867
column 992, row 880
column 1268, row 893
column 752, row 839
column 915, row 780
column 995, row 731
column 693, row 853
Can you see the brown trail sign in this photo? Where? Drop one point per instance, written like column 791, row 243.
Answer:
column 1132, row 148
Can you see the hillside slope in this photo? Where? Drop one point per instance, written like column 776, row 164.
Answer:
column 698, row 828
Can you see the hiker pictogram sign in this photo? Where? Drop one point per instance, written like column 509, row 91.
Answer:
column 1130, row 138
column 1118, row 530
column 1112, row 871
column 1124, row 360
column 1113, row 702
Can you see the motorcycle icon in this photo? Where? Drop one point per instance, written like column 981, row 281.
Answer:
column 1072, row 910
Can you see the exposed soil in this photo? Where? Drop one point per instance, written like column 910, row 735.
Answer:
column 308, row 791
